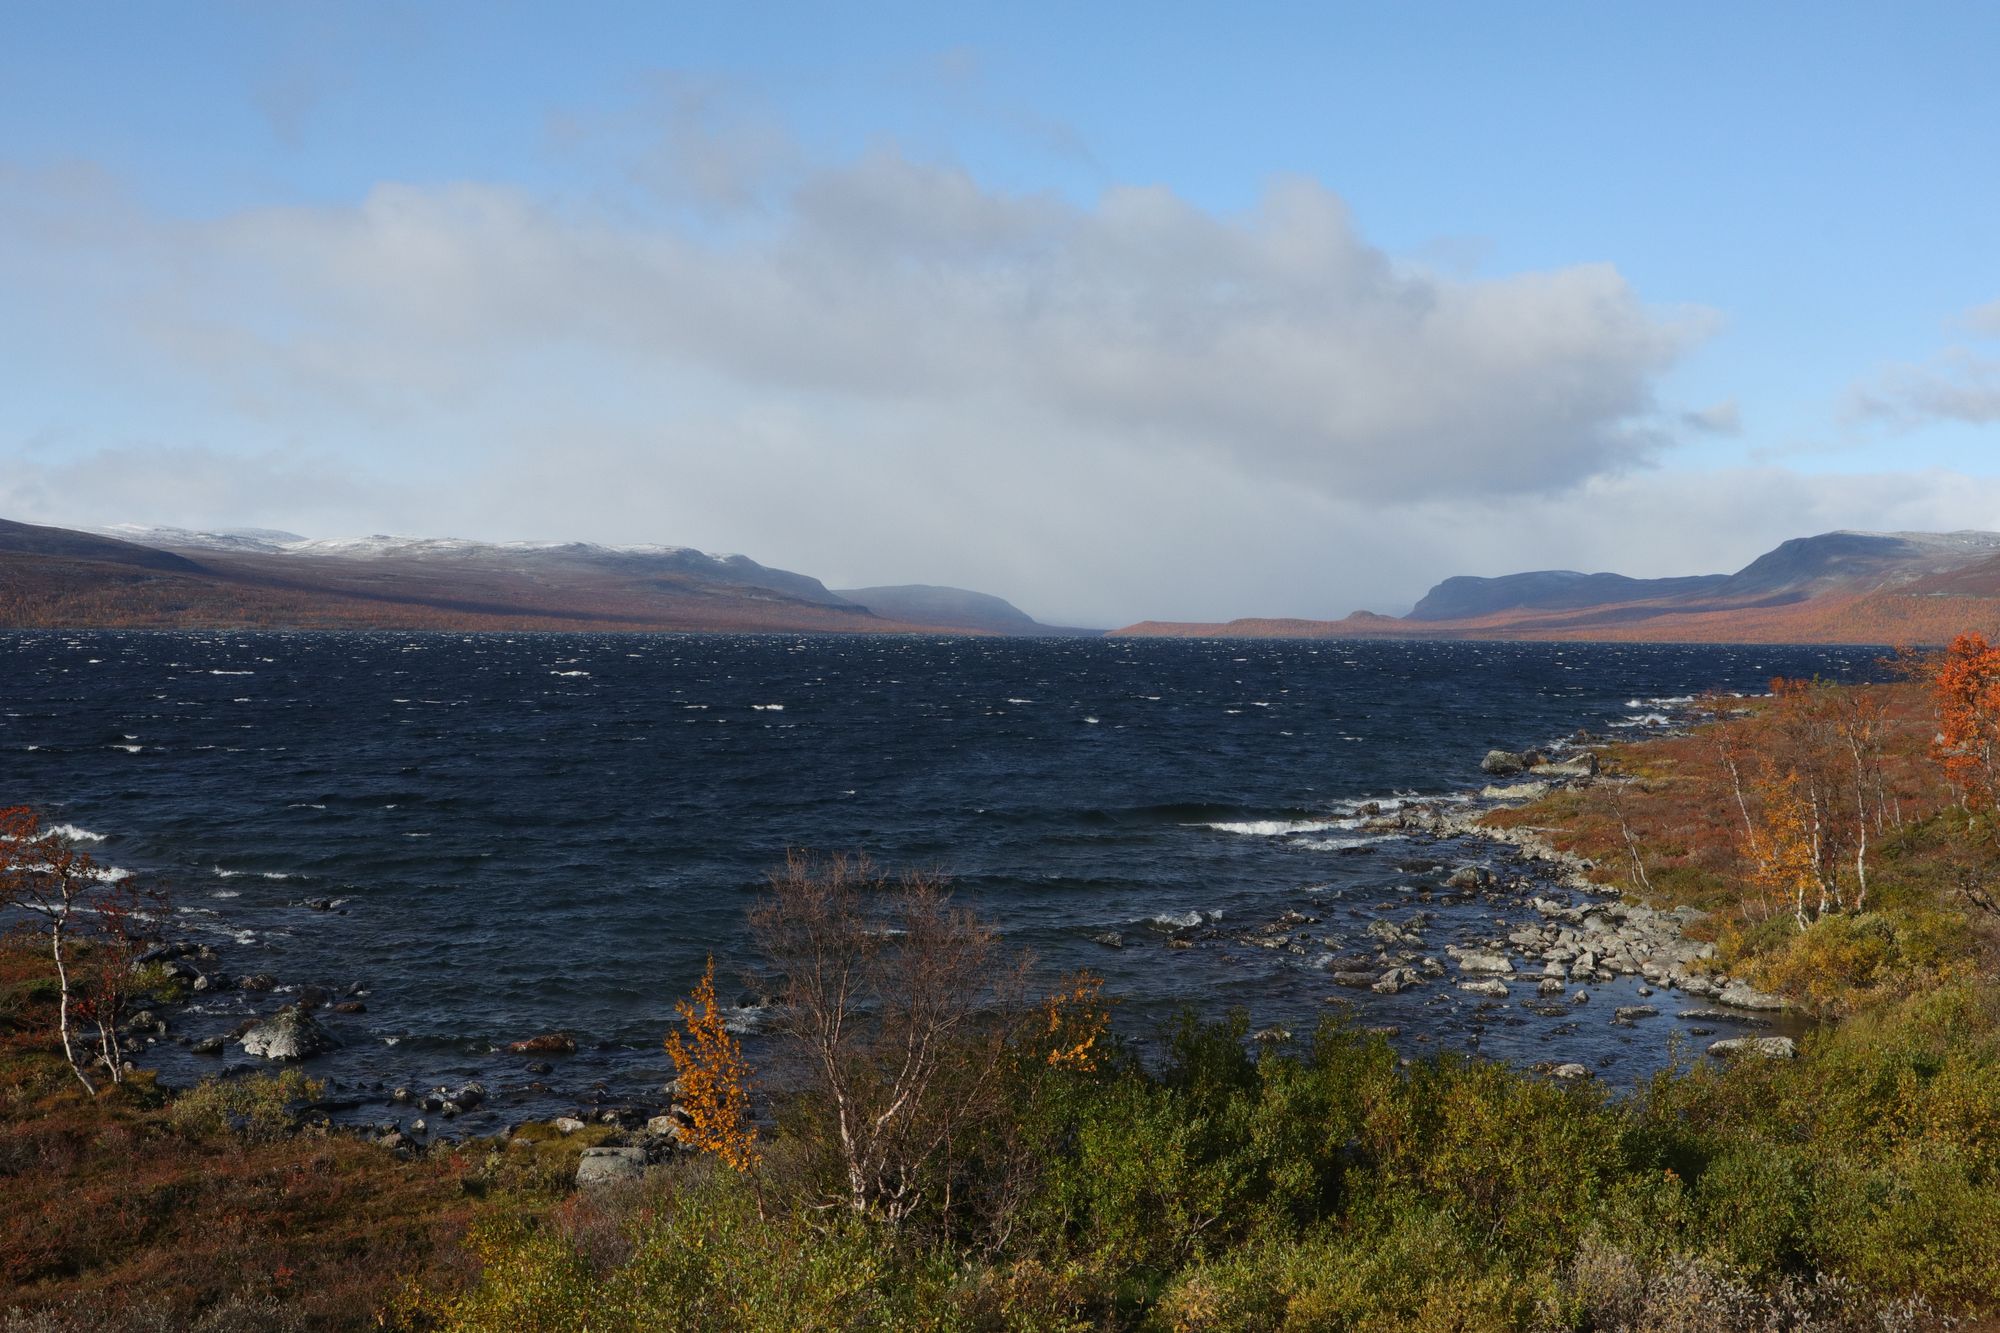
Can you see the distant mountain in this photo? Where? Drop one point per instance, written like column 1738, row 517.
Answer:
column 26, row 539
column 928, row 604
column 176, row 577
column 1837, row 587
column 1465, row 596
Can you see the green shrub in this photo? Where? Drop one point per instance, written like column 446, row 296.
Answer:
column 260, row 1107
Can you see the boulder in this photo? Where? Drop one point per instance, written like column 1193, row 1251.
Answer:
column 289, row 1034
column 1110, row 939
column 1739, row 996
column 1470, row 877
column 1570, row 1071
column 664, row 1127
column 566, row 1124
column 1515, row 791
column 609, row 1166
column 1485, row 962
column 1496, row 989
column 1501, row 763
column 1583, row 765
column 549, row 1043
column 1770, row 1048
column 1395, row 981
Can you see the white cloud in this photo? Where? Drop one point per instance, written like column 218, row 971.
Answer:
column 1723, row 418
column 1983, row 319
column 1957, row 385
column 1279, row 341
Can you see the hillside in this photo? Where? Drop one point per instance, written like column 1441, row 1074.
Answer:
column 180, row 579
column 928, row 604
column 1838, row 587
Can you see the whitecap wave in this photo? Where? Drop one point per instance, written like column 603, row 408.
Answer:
column 1273, row 828
column 1181, row 920
column 1340, row 844
column 75, row 834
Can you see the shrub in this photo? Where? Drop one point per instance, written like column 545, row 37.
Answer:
column 262, row 1107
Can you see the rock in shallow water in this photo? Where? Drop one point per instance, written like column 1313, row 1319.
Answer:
column 289, row 1034
column 551, row 1043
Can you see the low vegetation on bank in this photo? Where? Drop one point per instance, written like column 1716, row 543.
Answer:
column 953, row 1150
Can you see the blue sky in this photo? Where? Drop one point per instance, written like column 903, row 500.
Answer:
column 1107, row 309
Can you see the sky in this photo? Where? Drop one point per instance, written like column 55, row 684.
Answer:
column 1118, row 311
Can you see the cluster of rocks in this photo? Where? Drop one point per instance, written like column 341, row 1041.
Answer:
column 444, row 1101
column 626, row 1157
column 1534, row 763
column 1594, row 939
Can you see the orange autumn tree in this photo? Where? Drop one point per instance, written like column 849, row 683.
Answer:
column 714, row 1079
column 1076, row 1017
column 1965, row 688
column 1790, row 864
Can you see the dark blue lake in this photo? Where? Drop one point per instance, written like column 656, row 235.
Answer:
column 533, row 832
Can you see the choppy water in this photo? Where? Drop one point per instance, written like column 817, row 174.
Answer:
column 531, row 832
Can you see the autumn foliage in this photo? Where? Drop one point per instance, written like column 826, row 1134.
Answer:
column 1075, row 1019
column 1965, row 688
column 714, row 1079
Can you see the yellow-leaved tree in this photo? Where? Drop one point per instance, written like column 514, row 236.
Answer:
column 1076, row 1018
column 714, row 1079
column 1789, row 865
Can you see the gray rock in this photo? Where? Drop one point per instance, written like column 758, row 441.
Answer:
column 1629, row 1012
column 1583, row 765
column 1552, row 986
column 289, row 1034
column 1396, row 980
column 1501, row 763
column 1470, row 877
column 1770, row 1048
column 1570, row 1071
column 664, row 1127
column 1110, row 939
column 210, row 1045
column 1739, row 996
column 566, row 1124
column 1496, row 989
column 609, row 1166
column 1516, row 791
column 1485, row 962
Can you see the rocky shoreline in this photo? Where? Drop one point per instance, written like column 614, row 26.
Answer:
column 1596, row 939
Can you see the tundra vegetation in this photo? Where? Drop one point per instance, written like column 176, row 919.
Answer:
column 936, row 1146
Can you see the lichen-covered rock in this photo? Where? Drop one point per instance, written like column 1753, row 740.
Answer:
column 289, row 1034
column 1770, row 1048
column 608, row 1166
